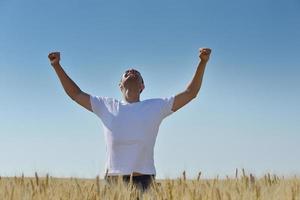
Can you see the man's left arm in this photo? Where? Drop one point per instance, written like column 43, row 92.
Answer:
column 194, row 86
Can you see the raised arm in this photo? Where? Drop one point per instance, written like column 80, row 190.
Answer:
column 193, row 88
column 73, row 91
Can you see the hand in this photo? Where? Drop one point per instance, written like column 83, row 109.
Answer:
column 54, row 58
column 204, row 54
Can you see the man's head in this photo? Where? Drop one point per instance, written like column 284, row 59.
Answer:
column 131, row 84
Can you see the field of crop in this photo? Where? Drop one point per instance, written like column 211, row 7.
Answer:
column 240, row 187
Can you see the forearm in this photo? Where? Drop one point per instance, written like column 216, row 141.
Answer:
column 68, row 84
column 195, row 85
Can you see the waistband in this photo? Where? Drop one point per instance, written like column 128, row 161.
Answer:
column 134, row 177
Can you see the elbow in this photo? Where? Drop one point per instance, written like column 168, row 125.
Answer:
column 192, row 94
column 195, row 94
column 74, row 95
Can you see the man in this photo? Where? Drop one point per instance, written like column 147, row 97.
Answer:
column 131, row 125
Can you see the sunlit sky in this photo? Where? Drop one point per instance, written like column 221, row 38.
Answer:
column 247, row 114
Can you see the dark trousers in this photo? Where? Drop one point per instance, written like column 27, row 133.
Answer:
column 142, row 182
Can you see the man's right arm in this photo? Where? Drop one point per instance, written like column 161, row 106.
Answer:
column 70, row 87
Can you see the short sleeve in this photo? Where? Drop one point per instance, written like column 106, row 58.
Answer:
column 98, row 105
column 167, row 104
column 104, row 108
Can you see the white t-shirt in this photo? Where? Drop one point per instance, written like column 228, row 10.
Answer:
column 130, row 131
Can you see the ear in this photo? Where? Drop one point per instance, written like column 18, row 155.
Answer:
column 142, row 88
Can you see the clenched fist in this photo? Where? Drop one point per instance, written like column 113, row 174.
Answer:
column 204, row 54
column 54, row 58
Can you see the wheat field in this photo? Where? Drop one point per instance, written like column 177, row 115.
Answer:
column 239, row 187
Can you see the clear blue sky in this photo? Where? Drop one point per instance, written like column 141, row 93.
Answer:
column 247, row 113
